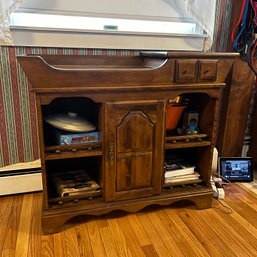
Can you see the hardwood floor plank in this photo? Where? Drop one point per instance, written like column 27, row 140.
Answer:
column 191, row 245
column 250, row 188
column 131, row 238
column 70, row 243
column 139, row 230
column 95, row 239
column 206, row 237
column 236, row 203
column 58, row 244
column 10, row 211
column 118, row 238
column 154, row 236
column 22, row 244
column 150, row 251
column 48, row 246
column 208, row 230
column 108, row 241
column 35, row 229
column 102, row 222
column 163, row 229
column 157, row 231
column 85, row 249
column 8, row 253
column 226, row 235
column 233, row 232
column 248, row 231
column 248, row 199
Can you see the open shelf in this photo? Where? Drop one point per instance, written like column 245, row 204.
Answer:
column 75, row 150
column 91, row 197
column 185, row 188
column 185, row 141
column 72, row 179
column 194, row 126
column 191, row 182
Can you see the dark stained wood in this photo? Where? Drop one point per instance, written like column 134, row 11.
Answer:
column 136, row 132
column 161, row 72
column 234, row 111
column 129, row 101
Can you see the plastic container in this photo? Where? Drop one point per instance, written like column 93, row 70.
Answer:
column 173, row 115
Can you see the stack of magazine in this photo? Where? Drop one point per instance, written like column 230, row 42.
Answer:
column 74, row 182
column 178, row 171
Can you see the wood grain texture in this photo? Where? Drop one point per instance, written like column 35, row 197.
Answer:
column 228, row 229
column 234, row 111
column 132, row 96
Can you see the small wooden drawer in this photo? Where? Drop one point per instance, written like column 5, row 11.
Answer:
column 208, row 70
column 186, row 71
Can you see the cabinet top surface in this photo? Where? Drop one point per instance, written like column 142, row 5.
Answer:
column 147, row 69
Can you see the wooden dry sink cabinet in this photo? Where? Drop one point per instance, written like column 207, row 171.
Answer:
column 126, row 98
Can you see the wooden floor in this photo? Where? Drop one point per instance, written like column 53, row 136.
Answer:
column 156, row 231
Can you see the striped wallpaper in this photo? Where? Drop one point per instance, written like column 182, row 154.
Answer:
column 18, row 118
column 221, row 37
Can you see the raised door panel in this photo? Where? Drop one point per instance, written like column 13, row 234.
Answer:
column 134, row 158
column 135, row 132
column 134, row 170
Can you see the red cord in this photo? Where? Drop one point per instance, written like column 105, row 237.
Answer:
column 254, row 6
column 239, row 21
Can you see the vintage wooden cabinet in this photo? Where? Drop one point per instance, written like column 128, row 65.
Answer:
column 126, row 99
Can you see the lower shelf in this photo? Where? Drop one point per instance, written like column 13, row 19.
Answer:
column 56, row 216
column 89, row 196
column 182, row 183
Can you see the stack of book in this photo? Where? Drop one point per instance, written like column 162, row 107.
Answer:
column 75, row 182
column 177, row 171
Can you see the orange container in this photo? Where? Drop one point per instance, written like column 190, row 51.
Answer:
column 173, row 115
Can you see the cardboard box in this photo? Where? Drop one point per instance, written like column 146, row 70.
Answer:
column 63, row 138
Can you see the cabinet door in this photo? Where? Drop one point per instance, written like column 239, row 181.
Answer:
column 134, row 152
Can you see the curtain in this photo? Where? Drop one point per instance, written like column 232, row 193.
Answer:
column 202, row 11
column 6, row 8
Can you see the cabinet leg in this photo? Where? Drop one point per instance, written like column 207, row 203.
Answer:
column 52, row 225
column 203, row 203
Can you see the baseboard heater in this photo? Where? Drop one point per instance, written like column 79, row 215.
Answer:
column 16, row 181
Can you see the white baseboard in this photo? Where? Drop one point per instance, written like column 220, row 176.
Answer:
column 20, row 178
column 20, row 184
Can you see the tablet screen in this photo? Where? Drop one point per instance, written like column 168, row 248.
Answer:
column 236, row 168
